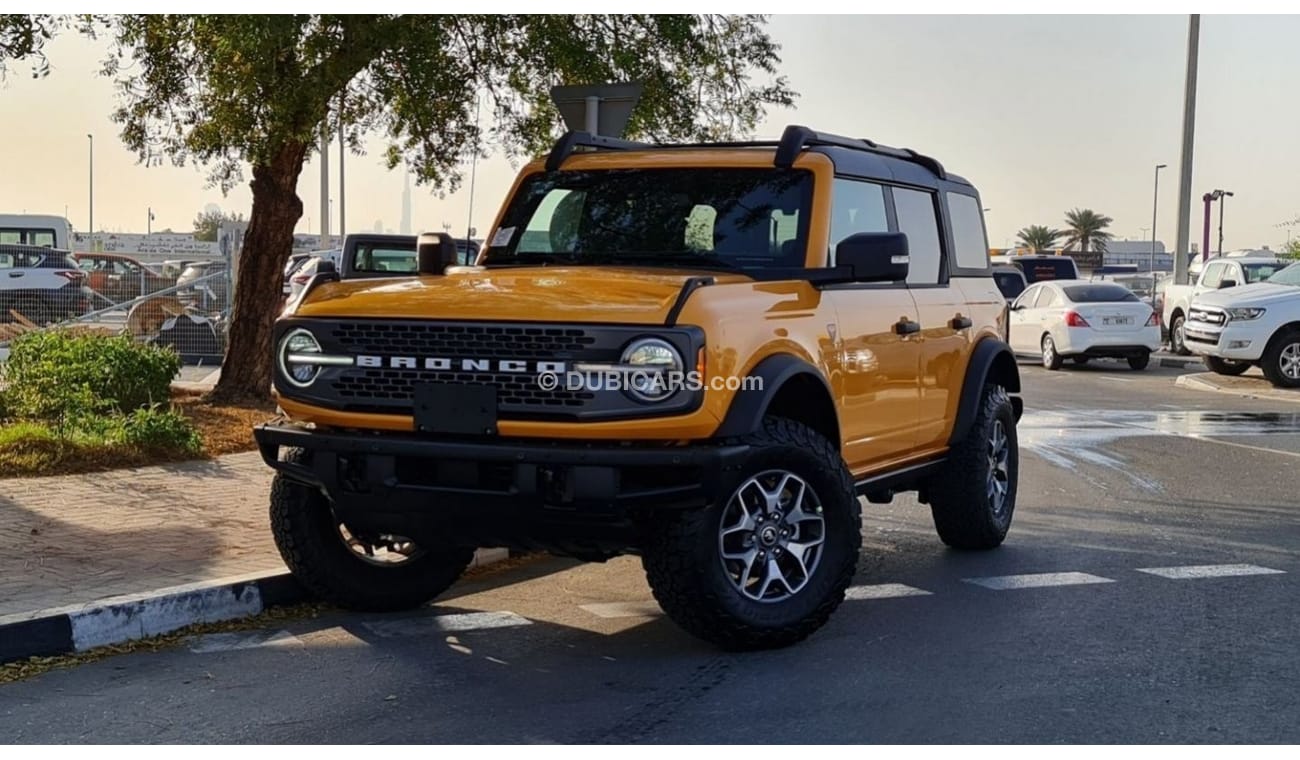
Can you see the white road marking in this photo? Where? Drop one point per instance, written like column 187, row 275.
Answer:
column 467, row 621
column 1115, row 379
column 612, row 610
column 229, row 642
column 1209, row 571
column 1036, row 580
column 882, row 591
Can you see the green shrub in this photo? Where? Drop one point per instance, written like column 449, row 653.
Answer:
column 64, row 375
column 155, row 428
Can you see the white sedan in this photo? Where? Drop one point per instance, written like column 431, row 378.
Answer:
column 1079, row 320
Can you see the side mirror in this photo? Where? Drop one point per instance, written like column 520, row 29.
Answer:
column 874, row 256
column 1227, row 284
column 434, row 252
column 325, row 266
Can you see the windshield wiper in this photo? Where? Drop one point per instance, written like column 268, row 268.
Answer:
column 675, row 258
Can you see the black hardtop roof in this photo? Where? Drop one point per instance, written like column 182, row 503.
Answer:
column 852, row 156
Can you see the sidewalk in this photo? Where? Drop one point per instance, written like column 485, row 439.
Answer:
column 74, row 539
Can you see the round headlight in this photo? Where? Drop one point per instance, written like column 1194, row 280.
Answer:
column 650, row 363
column 293, row 346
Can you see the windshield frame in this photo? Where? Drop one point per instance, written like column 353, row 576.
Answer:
column 534, row 189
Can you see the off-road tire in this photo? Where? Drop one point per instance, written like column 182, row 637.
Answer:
column 1176, row 343
column 306, row 533
column 1139, row 362
column 1271, row 362
column 964, row 515
column 683, row 566
column 1221, row 366
column 1051, row 358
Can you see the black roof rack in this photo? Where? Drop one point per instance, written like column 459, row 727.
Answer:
column 793, row 141
column 796, row 138
column 565, row 146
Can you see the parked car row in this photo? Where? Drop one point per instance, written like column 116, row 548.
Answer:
column 41, row 284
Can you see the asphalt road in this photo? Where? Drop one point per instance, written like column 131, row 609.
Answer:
column 1152, row 522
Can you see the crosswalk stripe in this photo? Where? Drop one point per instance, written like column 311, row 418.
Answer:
column 1209, row 571
column 467, row 621
column 229, row 642
column 612, row 610
column 1036, row 580
column 883, row 591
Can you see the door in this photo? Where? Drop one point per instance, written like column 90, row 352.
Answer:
column 1024, row 322
column 875, row 353
column 944, row 341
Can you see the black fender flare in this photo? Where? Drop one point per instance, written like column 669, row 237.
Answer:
column 750, row 404
column 992, row 358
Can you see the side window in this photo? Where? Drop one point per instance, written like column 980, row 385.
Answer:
column 1027, row 298
column 1212, row 275
column 968, row 231
column 916, row 219
column 1048, row 299
column 856, row 207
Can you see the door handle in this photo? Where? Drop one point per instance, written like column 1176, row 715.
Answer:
column 960, row 323
column 907, row 327
column 15, row 274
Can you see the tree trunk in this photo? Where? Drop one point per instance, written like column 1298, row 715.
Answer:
column 246, row 372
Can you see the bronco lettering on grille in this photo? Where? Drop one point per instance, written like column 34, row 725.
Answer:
column 438, row 363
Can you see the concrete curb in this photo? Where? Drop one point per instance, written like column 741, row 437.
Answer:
column 1180, row 362
column 1208, row 381
column 114, row 620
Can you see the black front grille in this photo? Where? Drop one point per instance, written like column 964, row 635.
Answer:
column 362, row 386
column 394, row 356
column 461, row 340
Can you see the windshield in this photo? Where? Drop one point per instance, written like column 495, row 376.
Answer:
column 1098, row 293
column 1039, row 270
column 1139, row 284
column 1288, row 276
column 715, row 218
column 1262, row 271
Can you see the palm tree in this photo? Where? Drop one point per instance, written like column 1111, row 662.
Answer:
column 1038, row 238
column 1086, row 228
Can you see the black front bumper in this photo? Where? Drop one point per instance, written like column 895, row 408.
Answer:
column 523, row 493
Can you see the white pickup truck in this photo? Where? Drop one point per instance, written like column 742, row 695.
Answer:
column 1218, row 274
column 1252, row 325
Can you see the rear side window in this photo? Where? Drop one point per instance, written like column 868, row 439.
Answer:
column 1099, row 293
column 27, row 236
column 917, row 219
column 1045, row 298
column 968, row 231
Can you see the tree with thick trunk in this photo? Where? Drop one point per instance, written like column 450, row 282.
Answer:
column 252, row 93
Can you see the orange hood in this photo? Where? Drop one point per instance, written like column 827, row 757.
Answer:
column 529, row 294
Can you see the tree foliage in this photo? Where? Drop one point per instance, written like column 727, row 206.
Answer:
column 1086, row 230
column 23, row 37
column 234, row 91
column 1039, row 238
column 207, row 223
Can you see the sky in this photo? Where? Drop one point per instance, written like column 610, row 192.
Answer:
column 1042, row 113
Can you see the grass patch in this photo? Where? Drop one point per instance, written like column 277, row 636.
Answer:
column 35, row 448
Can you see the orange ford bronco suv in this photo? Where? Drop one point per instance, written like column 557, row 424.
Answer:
column 700, row 354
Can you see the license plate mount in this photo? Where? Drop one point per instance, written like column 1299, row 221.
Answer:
column 455, row 409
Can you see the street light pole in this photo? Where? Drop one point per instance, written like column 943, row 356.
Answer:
column 1223, row 196
column 91, row 138
column 1155, row 208
column 1185, row 159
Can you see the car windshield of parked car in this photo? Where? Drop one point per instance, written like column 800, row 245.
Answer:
column 1287, row 276
column 372, row 258
column 1262, row 271
column 1098, row 293
column 716, row 218
column 1140, row 285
